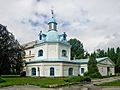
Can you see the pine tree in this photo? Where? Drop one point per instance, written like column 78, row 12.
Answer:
column 112, row 54
column 92, row 64
column 118, row 64
column 92, row 67
column 118, row 50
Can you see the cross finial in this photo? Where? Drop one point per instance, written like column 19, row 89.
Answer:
column 52, row 13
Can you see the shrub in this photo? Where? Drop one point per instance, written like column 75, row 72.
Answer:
column 1, row 80
column 95, row 75
column 74, row 79
column 23, row 74
column 86, row 74
column 87, row 79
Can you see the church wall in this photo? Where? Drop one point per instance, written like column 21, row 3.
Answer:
column 103, row 69
column 52, row 50
column 57, row 68
column 41, row 47
column 44, row 69
column 61, row 69
column 64, row 47
column 84, row 66
column 30, row 54
column 112, row 69
column 66, row 67
column 29, row 68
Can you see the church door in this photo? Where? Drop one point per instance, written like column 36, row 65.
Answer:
column 108, row 71
column 70, row 71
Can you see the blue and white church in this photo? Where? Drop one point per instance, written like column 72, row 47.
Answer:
column 50, row 56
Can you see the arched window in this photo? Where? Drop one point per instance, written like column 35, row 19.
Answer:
column 33, row 71
column 40, row 53
column 70, row 71
column 52, row 71
column 64, row 53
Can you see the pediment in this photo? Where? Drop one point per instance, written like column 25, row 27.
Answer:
column 106, row 61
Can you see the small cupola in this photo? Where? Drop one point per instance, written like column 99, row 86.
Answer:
column 52, row 23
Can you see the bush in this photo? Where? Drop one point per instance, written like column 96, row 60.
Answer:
column 74, row 79
column 87, row 79
column 23, row 74
column 86, row 74
column 93, row 75
column 1, row 80
column 96, row 75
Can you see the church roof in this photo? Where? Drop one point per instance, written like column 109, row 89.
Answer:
column 52, row 36
column 77, row 61
column 86, row 60
column 52, row 20
column 30, row 44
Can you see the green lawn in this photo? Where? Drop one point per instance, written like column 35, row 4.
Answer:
column 114, row 83
column 42, row 82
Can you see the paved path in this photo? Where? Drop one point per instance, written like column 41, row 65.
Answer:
column 99, row 81
column 30, row 87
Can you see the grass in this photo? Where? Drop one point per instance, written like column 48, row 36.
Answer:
column 114, row 83
column 11, row 80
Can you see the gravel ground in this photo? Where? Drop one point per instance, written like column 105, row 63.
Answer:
column 30, row 87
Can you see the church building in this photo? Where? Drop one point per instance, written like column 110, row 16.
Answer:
column 50, row 56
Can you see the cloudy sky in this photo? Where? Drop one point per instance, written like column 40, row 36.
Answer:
column 96, row 23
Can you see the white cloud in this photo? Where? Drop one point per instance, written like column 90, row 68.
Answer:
column 110, row 41
column 90, row 21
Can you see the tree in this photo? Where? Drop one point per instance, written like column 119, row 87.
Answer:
column 77, row 50
column 118, row 64
column 100, row 53
column 92, row 67
column 86, row 55
column 11, row 52
column 111, row 54
column 118, row 50
column 92, row 64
